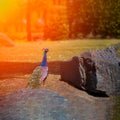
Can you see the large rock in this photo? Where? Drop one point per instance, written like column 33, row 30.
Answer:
column 5, row 40
column 34, row 104
column 43, row 104
column 101, row 70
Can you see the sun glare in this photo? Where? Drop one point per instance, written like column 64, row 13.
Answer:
column 7, row 8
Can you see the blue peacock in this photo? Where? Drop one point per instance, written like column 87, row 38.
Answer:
column 40, row 73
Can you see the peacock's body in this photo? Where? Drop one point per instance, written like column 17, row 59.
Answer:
column 40, row 73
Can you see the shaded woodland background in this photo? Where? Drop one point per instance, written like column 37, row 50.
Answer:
column 60, row 19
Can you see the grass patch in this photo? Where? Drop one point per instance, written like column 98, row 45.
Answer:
column 59, row 50
column 116, row 109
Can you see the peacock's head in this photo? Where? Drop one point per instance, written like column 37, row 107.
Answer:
column 45, row 50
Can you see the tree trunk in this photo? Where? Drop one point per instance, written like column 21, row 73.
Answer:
column 29, row 38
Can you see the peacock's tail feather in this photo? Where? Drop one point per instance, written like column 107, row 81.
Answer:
column 34, row 78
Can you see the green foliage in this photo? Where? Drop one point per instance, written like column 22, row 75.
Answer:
column 96, row 16
column 56, row 30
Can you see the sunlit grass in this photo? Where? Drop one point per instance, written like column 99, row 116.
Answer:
column 116, row 109
column 58, row 50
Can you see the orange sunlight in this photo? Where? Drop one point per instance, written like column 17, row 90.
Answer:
column 7, row 8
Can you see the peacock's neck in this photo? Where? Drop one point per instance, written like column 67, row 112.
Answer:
column 44, row 61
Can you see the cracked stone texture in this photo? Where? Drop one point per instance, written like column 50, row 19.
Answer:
column 56, row 101
column 107, row 65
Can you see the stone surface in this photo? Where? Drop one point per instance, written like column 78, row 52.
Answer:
column 107, row 70
column 65, row 103
column 79, row 72
column 34, row 104
column 5, row 40
column 103, row 74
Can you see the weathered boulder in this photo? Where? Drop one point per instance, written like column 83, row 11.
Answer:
column 44, row 104
column 34, row 104
column 98, row 70
column 5, row 40
column 79, row 72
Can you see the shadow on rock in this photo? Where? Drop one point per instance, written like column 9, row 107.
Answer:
column 97, row 93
